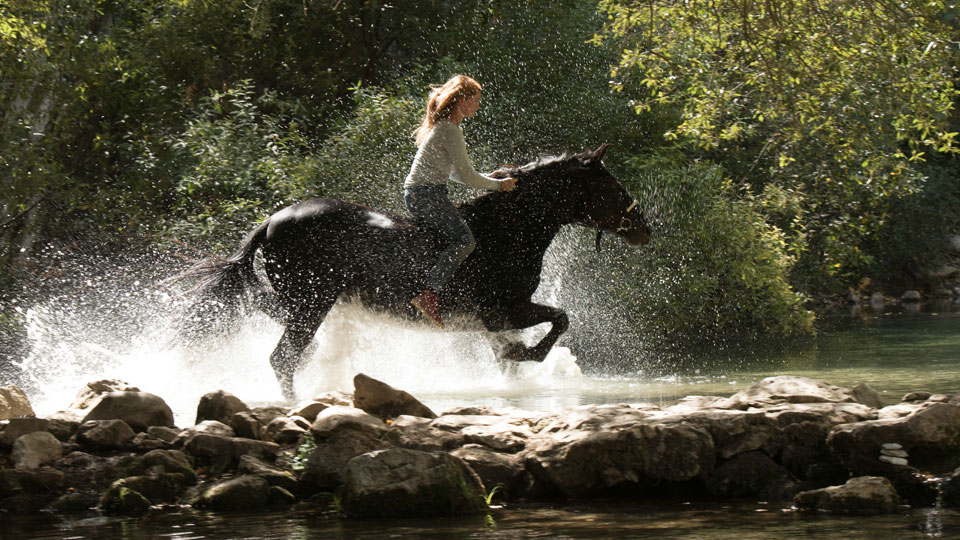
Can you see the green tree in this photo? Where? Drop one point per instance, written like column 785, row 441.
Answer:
column 835, row 102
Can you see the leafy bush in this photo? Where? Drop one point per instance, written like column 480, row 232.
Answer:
column 716, row 269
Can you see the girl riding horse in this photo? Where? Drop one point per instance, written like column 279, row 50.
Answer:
column 442, row 154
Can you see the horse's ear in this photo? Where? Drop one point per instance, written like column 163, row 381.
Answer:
column 599, row 152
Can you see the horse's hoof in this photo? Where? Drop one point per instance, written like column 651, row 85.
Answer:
column 518, row 352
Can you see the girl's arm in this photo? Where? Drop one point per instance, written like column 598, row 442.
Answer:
column 463, row 171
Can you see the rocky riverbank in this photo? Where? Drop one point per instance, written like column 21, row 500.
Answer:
column 379, row 452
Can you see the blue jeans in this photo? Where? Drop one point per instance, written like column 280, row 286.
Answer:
column 431, row 207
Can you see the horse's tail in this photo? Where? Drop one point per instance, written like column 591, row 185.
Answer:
column 218, row 298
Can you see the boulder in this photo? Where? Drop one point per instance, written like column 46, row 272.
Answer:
column 794, row 389
column 219, row 406
column 282, row 430
column 338, row 418
column 595, row 448
column 108, row 434
column 310, row 409
column 274, row 476
column 327, row 462
column 242, row 493
column 95, row 390
column 170, row 462
column 16, row 481
column 14, row 403
column 220, row 453
column 911, row 296
column 420, row 434
column 245, row 425
column 863, row 495
column 156, row 488
column 139, row 410
column 930, row 434
column 398, row 482
column 384, row 401
column 503, row 472
column 754, row 475
column 124, row 501
column 19, row 427
column 73, row 503
column 33, row 450
column 163, row 433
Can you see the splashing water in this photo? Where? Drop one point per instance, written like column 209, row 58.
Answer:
column 105, row 332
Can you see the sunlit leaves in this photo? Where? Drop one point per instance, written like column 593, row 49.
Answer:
column 856, row 75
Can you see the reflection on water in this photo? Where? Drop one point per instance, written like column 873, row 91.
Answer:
column 894, row 354
column 596, row 520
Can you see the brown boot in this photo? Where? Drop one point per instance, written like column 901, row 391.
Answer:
column 429, row 306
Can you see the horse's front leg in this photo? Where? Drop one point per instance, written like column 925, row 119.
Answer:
column 526, row 315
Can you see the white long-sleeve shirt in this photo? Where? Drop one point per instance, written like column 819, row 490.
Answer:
column 443, row 155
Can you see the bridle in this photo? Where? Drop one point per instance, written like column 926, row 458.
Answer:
column 626, row 223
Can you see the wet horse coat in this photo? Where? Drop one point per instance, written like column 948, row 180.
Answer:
column 318, row 250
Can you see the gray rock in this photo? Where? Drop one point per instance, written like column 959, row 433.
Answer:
column 600, row 447
column 752, row 474
column 931, row 434
column 274, row 476
column 246, row 425
column 163, row 433
column 124, row 501
column 282, row 430
column 156, row 488
column 864, row 495
column 219, row 406
column 33, row 450
column 503, row 472
column 243, row 493
column 384, row 401
column 310, row 409
column 14, row 481
column 139, row 410
column 95, row 390
column 19, row 427
column 793, row 389
column 221, row 453
column 169, row 461
column 73, row 503
column 208, row 427
column 14, row 403
column 338, row 418
column 327, row 461
column 110, row 434
column 911, row 296
column 397, row 482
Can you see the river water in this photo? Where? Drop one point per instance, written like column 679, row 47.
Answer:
column 113, row 331
column 894, row 352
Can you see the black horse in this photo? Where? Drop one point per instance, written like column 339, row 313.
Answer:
column 318, row 250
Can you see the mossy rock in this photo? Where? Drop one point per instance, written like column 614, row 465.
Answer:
column 235, row 494
column 123, row 501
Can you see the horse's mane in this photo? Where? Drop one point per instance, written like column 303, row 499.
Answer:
column 523, row 173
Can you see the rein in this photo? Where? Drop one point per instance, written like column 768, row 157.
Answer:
column 625, row 223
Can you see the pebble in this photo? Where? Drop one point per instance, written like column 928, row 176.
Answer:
column 893, row 460
column 891, row 446
column 895, row 453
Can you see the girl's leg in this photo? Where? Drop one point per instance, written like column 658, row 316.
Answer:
column 431, row 206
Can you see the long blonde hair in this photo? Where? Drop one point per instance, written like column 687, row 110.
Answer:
column 442, row 100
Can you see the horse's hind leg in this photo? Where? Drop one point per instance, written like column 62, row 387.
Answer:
column 299, row 331
column 524, row 316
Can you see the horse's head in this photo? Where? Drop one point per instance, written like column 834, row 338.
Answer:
column 580, row 187
column 607, row 204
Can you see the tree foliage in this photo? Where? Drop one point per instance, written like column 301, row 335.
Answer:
column 859, row 76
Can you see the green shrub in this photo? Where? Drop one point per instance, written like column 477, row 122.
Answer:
column 716, row 269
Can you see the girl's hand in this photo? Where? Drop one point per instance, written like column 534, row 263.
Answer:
column 508, row 184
